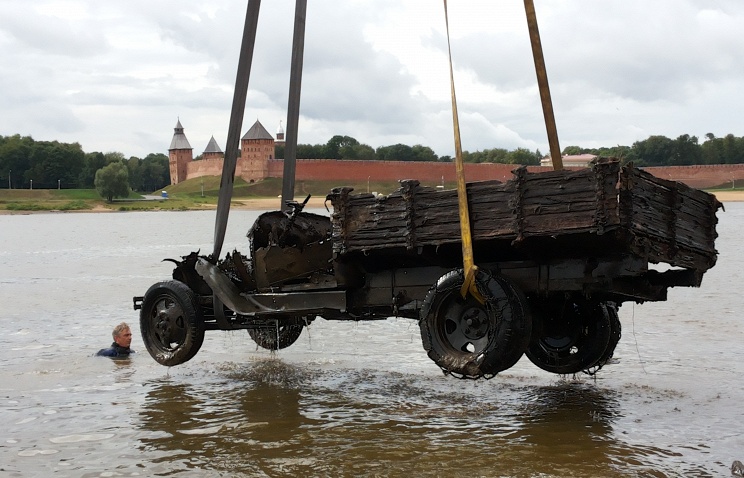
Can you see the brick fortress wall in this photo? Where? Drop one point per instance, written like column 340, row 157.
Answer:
column 257, row 162
column 700, row 176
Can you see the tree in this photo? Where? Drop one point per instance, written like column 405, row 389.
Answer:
column 334, row 147
column 113, row 156
column 112, row 181
column 395, row 152
column 91, row 163
column 656, row 150
column 154, row 172
column 358, row 151
column 524, row 156
column 572, row 150
column 14, row 156
column 52, row 161
column 424, row 153
column 686, row 151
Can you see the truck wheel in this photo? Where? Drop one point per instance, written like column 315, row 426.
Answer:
column 171, row 322
column 615, row 334
column 275, row 338
column 470, row 339
column 569, row 335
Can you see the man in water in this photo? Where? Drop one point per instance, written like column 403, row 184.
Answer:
column 122, row 340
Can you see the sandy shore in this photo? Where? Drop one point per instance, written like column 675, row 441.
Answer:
column 269, row 204
column 729, row 196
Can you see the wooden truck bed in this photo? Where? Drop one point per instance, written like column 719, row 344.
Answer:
column 608, row 208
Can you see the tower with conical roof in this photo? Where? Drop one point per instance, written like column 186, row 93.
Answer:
column 213, row 150
column 256, row 149
column 180, row 154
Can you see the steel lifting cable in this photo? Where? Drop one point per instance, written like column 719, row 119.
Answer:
column 468, row 263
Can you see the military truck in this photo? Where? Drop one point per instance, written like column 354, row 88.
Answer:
column 557, row 252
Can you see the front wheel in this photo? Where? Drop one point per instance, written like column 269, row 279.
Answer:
column 171, row 323
column 470, row 339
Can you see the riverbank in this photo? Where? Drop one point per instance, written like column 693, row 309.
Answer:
column 251, row 204
column 729, row 195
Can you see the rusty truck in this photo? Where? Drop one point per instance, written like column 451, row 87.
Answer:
column 558, row 253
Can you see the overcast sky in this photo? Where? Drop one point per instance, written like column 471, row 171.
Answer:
column 116, row 75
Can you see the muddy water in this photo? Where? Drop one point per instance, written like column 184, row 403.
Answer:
column 348, row 399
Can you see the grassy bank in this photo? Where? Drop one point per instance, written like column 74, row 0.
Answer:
column 199, row 193
column 202, row 194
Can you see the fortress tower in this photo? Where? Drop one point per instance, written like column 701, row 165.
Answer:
column 180, row 154
column 213, row 150
column 256, row 149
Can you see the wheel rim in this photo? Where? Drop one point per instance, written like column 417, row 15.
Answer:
column 469, row 339
column 169, row 326
column 464, row 326
column 171, row 322
column 561, row 340
column 571, row 337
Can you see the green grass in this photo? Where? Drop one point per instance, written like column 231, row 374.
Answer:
column 181, row 197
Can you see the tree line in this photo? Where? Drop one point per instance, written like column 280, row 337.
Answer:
column 685, row 150
column 348, row 148
column 26, row 163
column 656, row 150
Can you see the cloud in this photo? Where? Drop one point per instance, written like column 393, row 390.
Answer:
column 116, row 75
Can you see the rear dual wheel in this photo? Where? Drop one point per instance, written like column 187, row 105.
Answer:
column 573, row 334
column 472, row 339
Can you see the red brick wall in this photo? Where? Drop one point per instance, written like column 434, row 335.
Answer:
column 704, row 176
column 205, row 167
column 329, row 169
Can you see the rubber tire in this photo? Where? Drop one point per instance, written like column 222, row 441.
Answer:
column 615, row 334
column 505, row 333
column 586, row 333
column 270, row 339
column 171, row 339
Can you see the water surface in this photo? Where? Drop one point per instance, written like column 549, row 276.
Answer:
column 348, row 399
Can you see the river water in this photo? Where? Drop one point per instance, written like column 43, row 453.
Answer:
column 348, row 399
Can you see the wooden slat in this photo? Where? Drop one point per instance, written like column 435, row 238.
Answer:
column 665, row 220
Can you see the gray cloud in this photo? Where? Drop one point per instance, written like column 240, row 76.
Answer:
column 115, row 75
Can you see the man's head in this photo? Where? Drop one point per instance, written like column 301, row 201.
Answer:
column 122, row 335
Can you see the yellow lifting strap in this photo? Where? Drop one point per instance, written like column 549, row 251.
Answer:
column 468, row 263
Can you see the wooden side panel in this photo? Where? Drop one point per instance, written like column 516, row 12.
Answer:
column 662, row 220
column 669, row 221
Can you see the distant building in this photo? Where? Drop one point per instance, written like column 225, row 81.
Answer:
column 180, row 154
column 213, row 151
column 257, row 161
column 571, row 160
column 256, row 149
column 280, row 135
